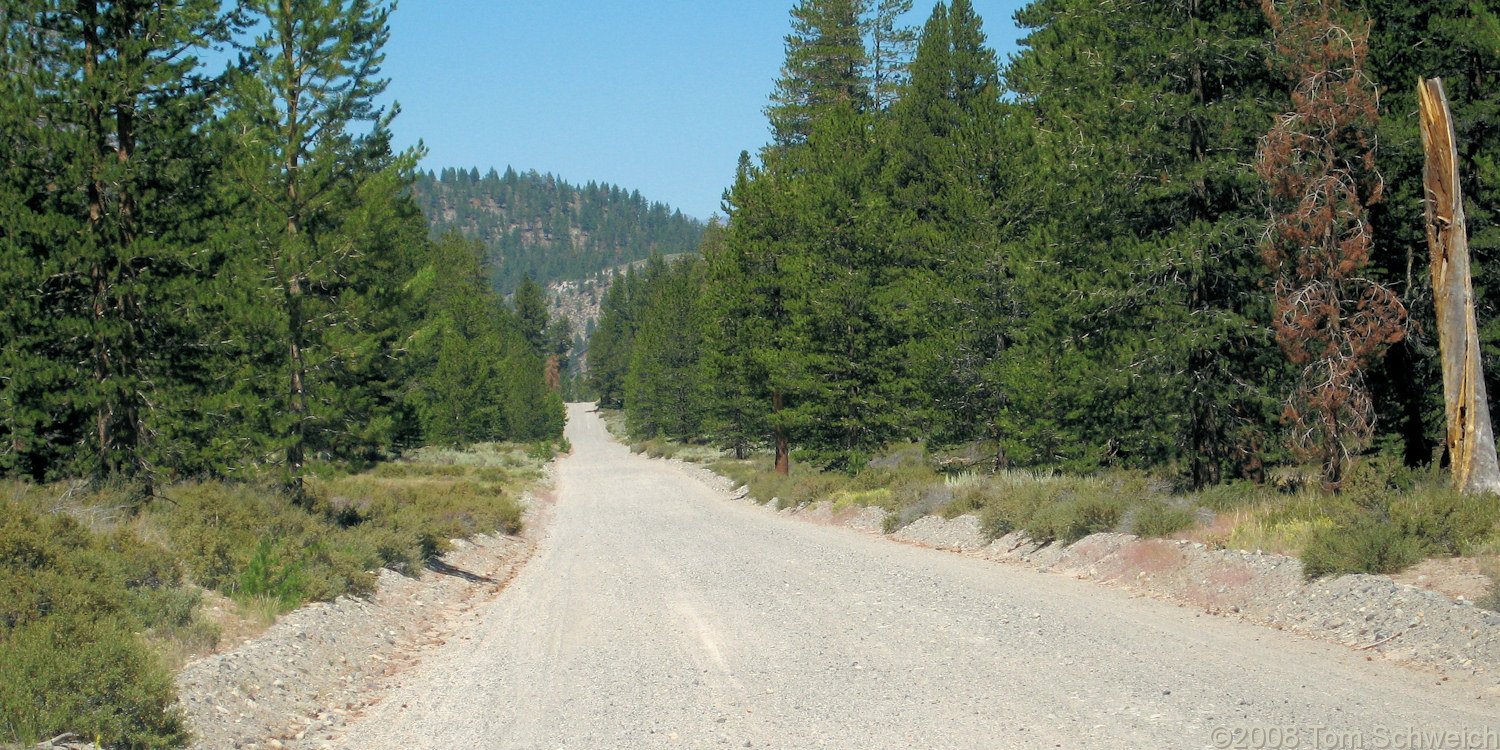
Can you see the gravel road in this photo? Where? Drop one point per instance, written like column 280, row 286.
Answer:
column 658, row 613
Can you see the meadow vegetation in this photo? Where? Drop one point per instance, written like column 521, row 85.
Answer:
column 101, row 602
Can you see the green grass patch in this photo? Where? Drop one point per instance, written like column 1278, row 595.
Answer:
column 1367, row 545
column 1160, row 519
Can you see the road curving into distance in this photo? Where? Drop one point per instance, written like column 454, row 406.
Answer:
column 657, row 613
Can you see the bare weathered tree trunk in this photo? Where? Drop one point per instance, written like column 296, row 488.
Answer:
column 1471, row 438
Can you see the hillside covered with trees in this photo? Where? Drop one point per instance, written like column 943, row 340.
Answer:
column 1183, row 238
column 539, row 226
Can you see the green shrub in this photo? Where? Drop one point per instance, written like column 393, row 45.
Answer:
column 802, row 488
column 997, row 513
column 78, row 605
column 92, row 676
column 1490, row 566
column 401, row 469
column 768, row 485
column 1368, row 545
column 1491, row 601
column 1445, row 520
column 1159, row 519
column 1373, row 481
column 912, row 502
column 1020, row 504
column 657, row 447
column 1222, row 498
column 353, row 525
column 967, row 499
column 899, row 456
column 71, row 604
column 1075, row 517
column 273, row 573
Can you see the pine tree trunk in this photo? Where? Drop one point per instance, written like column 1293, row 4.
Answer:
column 783, row 454
column 1471, row 438
column 1204, row 432
column 94, row 108
column 292, row 95
column 295, row 451
column 130, row 345
column 118, row 426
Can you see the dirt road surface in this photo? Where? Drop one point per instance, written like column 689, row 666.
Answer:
column 657, row 613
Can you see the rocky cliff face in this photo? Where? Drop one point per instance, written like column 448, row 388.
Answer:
column 579, row 300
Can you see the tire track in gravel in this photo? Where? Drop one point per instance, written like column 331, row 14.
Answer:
column 656, row 614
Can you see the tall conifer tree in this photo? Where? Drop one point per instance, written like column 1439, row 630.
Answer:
column 1458, row 41
column 826, row 64
column 103, row 217
column 1145, row 115
column 664, row 393
column 735, row 409
column 1319, row 165
column 310, row 81
column 891, row 45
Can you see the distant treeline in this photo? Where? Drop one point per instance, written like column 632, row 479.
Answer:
column 217, row 272
column 539, row 226
column 1185, row 236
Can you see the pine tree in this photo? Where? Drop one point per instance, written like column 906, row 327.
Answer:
column 734, row 407
column 1458, row 41
column 310, row 79
column 1319, row 164
column 39, row 420
column 104, row 220
column 531, row 313
column 891, row 46
column 954, row 175
column 609, row 345
column 826, row 65
column 755, row 274
column 1139, row 283
column 664, row 394
column 455, row 382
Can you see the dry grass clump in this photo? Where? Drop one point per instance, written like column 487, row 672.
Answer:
column 1385, row 517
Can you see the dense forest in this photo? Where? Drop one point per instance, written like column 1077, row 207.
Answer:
column 539, row 226
column 213, row 272
column 1178, row 236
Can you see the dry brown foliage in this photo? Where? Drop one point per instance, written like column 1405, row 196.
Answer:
column 1318, row 163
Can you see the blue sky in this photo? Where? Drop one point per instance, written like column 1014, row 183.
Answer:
column 659, row 96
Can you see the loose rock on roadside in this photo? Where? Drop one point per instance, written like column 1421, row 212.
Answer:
column 1370, row 613
column 296, row 685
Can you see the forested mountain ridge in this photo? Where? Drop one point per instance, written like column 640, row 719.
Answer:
column 538, row 225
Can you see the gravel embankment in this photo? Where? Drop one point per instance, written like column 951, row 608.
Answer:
column 1372, row 614
column 317, row 668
